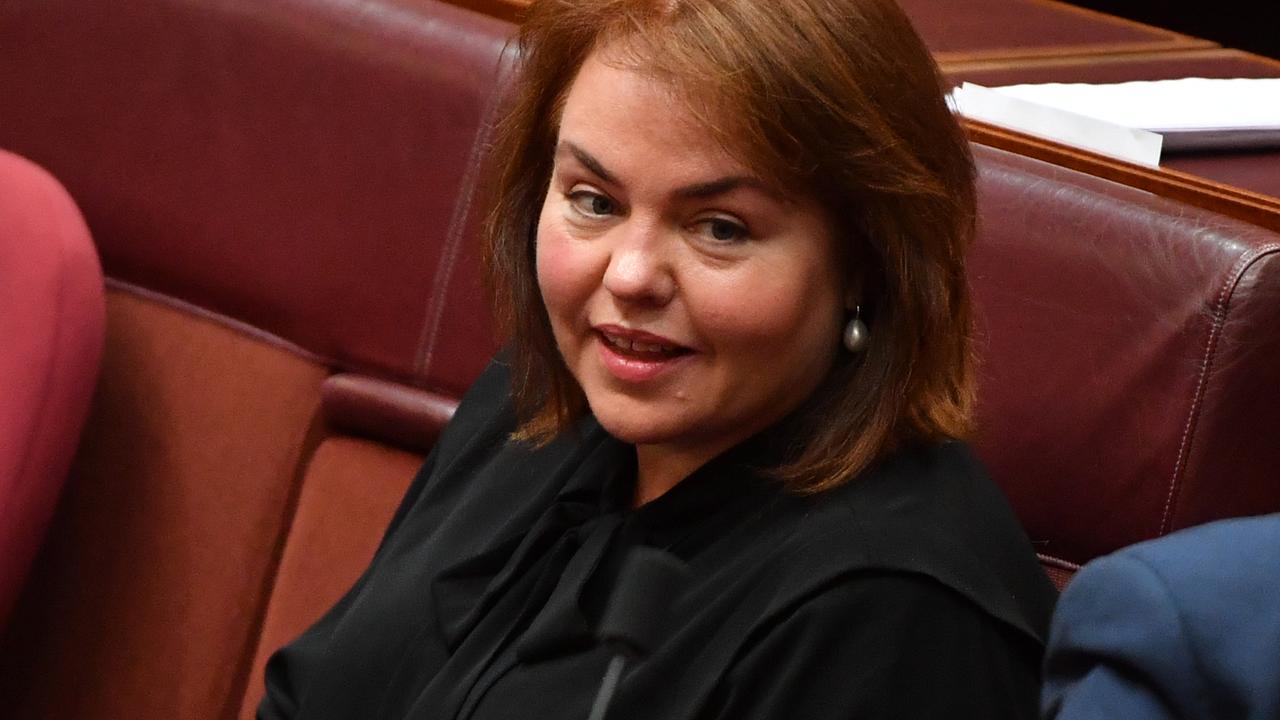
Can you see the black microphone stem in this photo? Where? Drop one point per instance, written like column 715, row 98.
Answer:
column 607, row 686
column 637, row 613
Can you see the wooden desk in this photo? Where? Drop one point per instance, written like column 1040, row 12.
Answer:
column 975, row 30
column 1210, row 63
column 969, row 30
column 1181, row 184
column 506, row 9
column 998, row 42
column 1258, row 171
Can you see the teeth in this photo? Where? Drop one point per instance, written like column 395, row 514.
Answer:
column 624, row 344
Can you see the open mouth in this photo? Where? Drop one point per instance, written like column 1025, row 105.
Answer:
column 641, row 349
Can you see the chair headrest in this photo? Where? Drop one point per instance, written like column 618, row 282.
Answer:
column 307, row 168
column 1128, row 352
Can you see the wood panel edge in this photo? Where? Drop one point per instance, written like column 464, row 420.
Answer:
column 510, row 10
column 1112, row 19
column 1233, row 202
column 1050, row 61
column 1062, row 52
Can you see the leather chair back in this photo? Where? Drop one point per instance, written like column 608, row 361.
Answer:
column 285, row 195
column 1129, row 350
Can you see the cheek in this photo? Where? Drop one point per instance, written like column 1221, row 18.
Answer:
column 781, row 323
column 768, row 311
column 563, row 271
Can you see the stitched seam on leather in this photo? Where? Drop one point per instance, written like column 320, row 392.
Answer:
column 1057, row 562
column 457, row 227
column 1221, row 309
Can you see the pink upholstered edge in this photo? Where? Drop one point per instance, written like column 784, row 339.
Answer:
column 57, row 259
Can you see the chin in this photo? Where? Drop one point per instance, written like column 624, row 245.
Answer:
column 639, row 428
column 630, row 430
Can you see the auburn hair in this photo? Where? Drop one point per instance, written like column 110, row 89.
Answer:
column 835, row 99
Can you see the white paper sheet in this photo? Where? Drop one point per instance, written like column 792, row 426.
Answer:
column 1053, row 123
column 1188, row 112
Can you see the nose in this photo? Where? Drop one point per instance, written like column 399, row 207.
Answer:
column 640, row 269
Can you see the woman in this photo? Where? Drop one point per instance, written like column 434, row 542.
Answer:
column 728, row 246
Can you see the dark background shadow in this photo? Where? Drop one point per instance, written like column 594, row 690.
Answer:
column 1252, row 25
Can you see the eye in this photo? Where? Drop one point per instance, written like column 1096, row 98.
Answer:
column 592, row 204
column 723, row 230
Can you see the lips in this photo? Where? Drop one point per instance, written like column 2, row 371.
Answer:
column 635, row 355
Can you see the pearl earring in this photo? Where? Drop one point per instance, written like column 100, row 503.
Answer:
column 855, row 333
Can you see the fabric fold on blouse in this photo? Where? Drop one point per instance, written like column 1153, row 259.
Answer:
column 483, row 601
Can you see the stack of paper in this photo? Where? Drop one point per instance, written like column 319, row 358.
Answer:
column 1046, row 121
column 1189, row 114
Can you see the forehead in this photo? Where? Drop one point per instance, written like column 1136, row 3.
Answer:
column 612, row 104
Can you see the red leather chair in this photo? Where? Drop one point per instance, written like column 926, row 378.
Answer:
column 51, row 328
column 1129, row 350
column 285, row 198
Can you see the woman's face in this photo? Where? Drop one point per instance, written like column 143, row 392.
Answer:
column 694, row 305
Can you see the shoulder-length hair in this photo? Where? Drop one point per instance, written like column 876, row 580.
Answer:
column 837, row 99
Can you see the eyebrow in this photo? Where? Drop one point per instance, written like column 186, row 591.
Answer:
column 702, row 191
column 586, row 159
column 696, row 191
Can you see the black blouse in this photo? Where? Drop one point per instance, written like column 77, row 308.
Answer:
column 910, row 592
